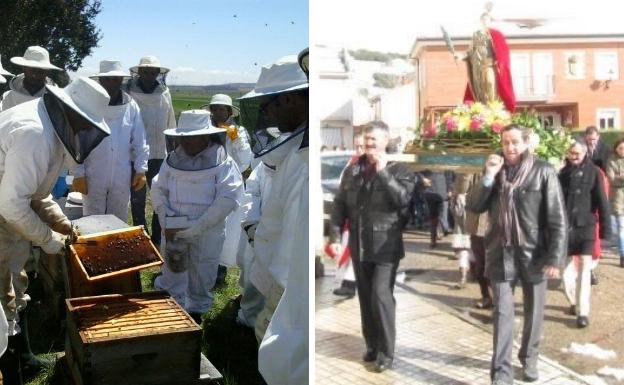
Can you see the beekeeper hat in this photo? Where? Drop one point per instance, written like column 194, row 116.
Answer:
column 283, row 76
column 3, row 71
column 87, row 97
column 149, row 62
column 224, row 100
column 35, row 57
column 194, row 123
column 110, row 68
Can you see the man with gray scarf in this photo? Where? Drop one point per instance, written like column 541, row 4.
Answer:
column 526, row 243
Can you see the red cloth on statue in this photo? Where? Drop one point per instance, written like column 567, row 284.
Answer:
column 502, row 72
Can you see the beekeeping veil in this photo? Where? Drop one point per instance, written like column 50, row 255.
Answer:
column 89, row 100
column 282, row 77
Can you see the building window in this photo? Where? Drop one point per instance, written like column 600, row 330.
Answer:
column 606, row 66
column 331, row 137
column 574, row 65
column 608, row 118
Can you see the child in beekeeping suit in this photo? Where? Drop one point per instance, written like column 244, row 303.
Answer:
column 197, row 187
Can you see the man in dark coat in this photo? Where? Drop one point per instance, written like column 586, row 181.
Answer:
column 526, row 243
column 374, row 197
column 599, row 153
column 583, row 190
column 597, row 150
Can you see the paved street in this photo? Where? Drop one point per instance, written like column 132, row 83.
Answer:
column 435, row 344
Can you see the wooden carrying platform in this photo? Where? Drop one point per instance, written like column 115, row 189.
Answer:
column 143, row 338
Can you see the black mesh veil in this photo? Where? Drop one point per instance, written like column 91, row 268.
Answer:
column 79, row 144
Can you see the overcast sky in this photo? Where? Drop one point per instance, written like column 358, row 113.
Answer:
column 201, row 41
column 393, row 25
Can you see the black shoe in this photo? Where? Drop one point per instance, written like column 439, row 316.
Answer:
column 370, row 355
column 593, row 278
column 582, row 322
column 31, row 364
column 221, row 274
column 344, row 292
column 10, row 364
column 621, row 262
column 572, row 310
column 382, row 363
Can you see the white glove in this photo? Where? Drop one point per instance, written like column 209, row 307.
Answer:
column 55, row 244
column 216, row 213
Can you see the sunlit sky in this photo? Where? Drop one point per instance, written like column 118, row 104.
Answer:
column 393, row 25
column 202, row 42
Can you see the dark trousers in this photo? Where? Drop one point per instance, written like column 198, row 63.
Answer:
column 477, row 244
column 436, row 210
column 137, row 201
column 534, row 298
column 375, row 285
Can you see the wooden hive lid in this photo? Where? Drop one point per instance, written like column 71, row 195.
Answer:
column 113, row 317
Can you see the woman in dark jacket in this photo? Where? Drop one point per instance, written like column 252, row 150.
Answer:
column 583, row 190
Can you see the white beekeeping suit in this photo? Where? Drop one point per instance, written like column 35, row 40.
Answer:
column 158, row 115
column 257, row 189
column 17, row 94
column 204, row 188
column 108, row 168
column 34, row 57
column 270, row 227
column 40, row 132
column 237, row 146
column 283, row 354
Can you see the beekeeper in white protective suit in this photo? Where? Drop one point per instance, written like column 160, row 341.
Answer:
column 147, row 87
column 281, row 238
column 37, row 139
column 31, row 83
column 105, row 179
column 236, row 140
column 257, row 189
column 197, row 187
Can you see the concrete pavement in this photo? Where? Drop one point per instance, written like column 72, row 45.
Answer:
column 435, row 345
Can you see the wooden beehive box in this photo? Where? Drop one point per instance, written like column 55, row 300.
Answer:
column 143, row 338
column 101, row 256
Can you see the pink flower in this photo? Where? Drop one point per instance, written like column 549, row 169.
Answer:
column 451, row 124
column 476, row 125
column 497, row 127
column 430, row 132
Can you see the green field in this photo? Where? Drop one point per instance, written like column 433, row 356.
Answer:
column 183, row 102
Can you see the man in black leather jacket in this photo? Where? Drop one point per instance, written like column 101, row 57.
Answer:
column 374, row 198
column 526, row 243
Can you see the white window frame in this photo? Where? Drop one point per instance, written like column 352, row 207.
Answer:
column 580, row 64
column 601, row 114
column 542, row 85
column 601, row 73
column 522, row 79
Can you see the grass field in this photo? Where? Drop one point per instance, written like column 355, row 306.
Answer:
column 183, row 102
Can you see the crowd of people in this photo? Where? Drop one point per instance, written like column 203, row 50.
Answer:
column 115, row 132
column 519, row 222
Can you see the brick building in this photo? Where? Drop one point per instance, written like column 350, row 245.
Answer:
column 571, row 80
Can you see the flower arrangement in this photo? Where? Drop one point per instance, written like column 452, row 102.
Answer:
column 471, row 121
column 475, row 125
